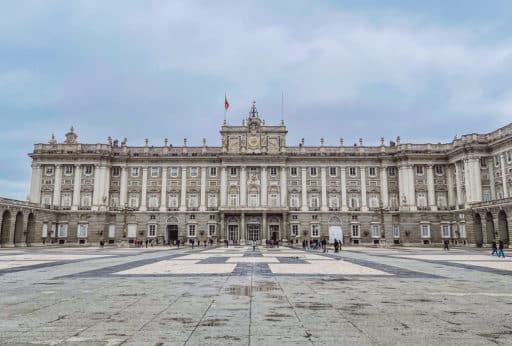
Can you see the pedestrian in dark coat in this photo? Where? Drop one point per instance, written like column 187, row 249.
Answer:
column 500, row 249
column 494, row 249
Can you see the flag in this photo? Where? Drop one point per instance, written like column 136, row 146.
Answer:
column 226, row 103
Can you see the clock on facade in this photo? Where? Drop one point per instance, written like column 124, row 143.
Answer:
column 254, row 141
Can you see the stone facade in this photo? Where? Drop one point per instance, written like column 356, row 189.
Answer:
column 256, row 187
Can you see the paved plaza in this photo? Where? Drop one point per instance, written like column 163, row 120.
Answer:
column 168, row 296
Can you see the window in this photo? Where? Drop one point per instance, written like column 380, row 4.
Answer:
column 154, row 172
column 213, row 171
column 374, row 200
column 135, row 172
column 294, row 217
column 116, row 171
column 314, row 202
column 132, row 230
column 212, row 200
column 192, row 216
column 425, row 231
column 509, row 156
column 439, row 169
column 353, row 201
column 294, row 200
column 421, row 199
column 334, row 202
column 462, row 230
column 295, row 230
column 375, row 231
column 133, row 201
column 211, row 230
column 151, row 230
column 315, row 230
column 174, row 172
column 254, row 199
column 193, row 172
column 392, row 171
column 232, row 171
column 233, row 200
column 114, row 200
column 153, row 200
column 88, row 170
column 293, row 171
column 273, row 200
column 173, row 200
column 66, row 199
column 355, row 231
column 191, row 231
column 313, row 171
column 354, row 217
column 445, row 231
column 486, row 196
column 212, row 217
column 352, row 171
column 333, row 171
column 419, row 170
column 81, row 231
column 68, row 170
column 111, row 231
column 372, row 171
column 273, row 171
column 396, row 231
column 441, row 199
column 48, row 170
column 483, row 162
column 85, row 200
column 44, row 231
column 314, row 217
column 192, row 201
column 62, row 230
column 497, row 160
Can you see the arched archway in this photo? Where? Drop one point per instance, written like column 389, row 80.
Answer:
column 31, row 228
column 19, row 235
column 489, row 226
column 171, row 232
column 5, row 230
column 477, row 231
column 335, row 231
column 503, row 227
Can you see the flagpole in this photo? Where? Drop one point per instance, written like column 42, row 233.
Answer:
column 282, row 108
column 225, row 109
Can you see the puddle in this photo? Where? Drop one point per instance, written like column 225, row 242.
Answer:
column 247, row 291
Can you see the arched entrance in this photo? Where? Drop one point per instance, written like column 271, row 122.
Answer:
column 19, row 236
column 6, row 228
column 31, row 227
column 171, row 234
column 233, row 233
column 489, row 226
column 477, row 230
column 335, row 231
column 273, row 229
column 254, row 228
column 503, row 227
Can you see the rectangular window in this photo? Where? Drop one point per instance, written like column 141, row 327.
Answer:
column 232, row 171
column 419, row 170
column 372, row 171
column 132, row 230
column 462, row 230
column 173, row 200
column 48, row 170
column 421, row 199
column 355, row 231
column 211, row 230
column 293, row 171
column 111, row 231
column 439, row 169
column 483, row 162
column 396, row 231
column 81, row 231
column 116, row 171
column 294, row 200
column 88, row 170
column 445, row 231
column 153, row 200
column 151, row 230
column 135, row 172
column 352, row 171
column 66, row 199
column 273, row 171
column 314, row 202
column 315, row 230
column 375, row 231
column 194, row 172
column 509, row 156
column 233, row 200
column 133, row 201
column 333, row 171
column 44, row 231
column 425, row 231
column 191, row 231
column 174, row 172
column 62, row 230
column 68, row 170
column 213, row 171
column 486, row 196
column 192, row 201
column 392, row 171
column 212, row 200
column 313, row 171
column 154, row 172
column 295, row 230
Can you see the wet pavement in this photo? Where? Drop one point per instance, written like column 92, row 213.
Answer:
column 236, row 296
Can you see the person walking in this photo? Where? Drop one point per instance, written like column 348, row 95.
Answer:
column 500, row 249
column 494, row 249
column 253, row 245
column 446, row 245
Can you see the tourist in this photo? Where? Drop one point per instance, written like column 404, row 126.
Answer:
column 500, row 249
column 446, row 244
column 494, row 249
column 147, row 242
column 178, row 243
column 253, row 245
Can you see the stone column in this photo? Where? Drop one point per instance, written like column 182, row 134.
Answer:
column 144, row 189
column 503, row 176
column 35, row 184
column 304, row 189
column 286, row 232
column 401, row 191
column 458, row 185
column 263, row 186
column 412, row 189
column 364, row 206
column 431, row 188
column 76, row 188
column 449, row 181
column 476, row 180
column 202, row 206
column 163, row 192
column 243, row 186
column 323, row 176
column 183, row 199
column 492, row 182
column 343, row 175
column 124, row 187
column 57, row 186
column 284, row 187
column 106, row 187
column 96, row 191
column 264, row 231
column 467, row 181
column 384, row 187
column 223, row 186
column 223, row 234
column 243, row 236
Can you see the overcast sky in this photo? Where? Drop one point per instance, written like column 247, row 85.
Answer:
column 424, row 70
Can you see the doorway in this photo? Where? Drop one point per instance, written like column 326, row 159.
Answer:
column 233, row 233
column 274, row 232
column 172, row 233
column 253, row 232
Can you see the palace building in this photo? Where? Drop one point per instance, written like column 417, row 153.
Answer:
column 255, row 186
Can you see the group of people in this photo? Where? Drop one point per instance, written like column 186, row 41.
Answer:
column 141, row 243
column 497, row 249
